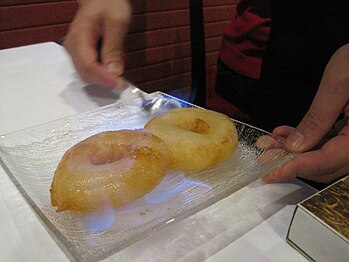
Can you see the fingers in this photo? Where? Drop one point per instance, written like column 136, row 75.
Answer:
column 115, row 28
column 329, row 158
column 324, row 165
column 83, row 51
column 283, row 131
column 95, row 20
column 265, row 142
column 328, row 103
column 312, row 165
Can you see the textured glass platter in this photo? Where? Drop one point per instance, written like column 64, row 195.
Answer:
column 30, row 157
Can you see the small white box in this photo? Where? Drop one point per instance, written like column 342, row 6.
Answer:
column 320, row 225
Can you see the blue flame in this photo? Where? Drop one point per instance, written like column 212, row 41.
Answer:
column 183, row 94
column 176, row 185
column 97, row 222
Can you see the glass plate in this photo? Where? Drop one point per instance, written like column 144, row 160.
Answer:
column 30, row 157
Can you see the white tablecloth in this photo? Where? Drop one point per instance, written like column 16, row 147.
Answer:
column 38, row 84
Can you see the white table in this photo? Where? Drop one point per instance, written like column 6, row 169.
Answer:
column 38, row 84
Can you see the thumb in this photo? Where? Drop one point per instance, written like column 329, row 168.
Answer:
column 329, row 102
column 314, row 126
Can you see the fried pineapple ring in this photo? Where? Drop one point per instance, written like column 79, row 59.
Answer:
column 109, row 169
column 197, row 138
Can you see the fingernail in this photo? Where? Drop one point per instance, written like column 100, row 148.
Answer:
column 295, row 140
column 272, row 177
column 114, row 68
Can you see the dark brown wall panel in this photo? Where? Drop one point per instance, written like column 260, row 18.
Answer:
column 28, row 36
column 158, row 43
column 156, row 71
column 159, row 70
column 156, row 38
column 24, row 2
column 26, row 16
column 167, row 84
column 153, row 6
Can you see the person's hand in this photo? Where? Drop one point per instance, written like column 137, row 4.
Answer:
column 324, row 150
column 96, row 20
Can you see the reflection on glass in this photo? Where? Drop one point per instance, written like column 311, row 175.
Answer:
column 184, row 183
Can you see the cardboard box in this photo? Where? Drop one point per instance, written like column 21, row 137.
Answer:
column 320, row 225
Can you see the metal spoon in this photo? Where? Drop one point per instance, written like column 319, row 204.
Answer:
column 155, row 105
